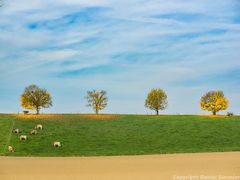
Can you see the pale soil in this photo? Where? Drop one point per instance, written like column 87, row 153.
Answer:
column 157, row 167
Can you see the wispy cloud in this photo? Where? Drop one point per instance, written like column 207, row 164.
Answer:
column 125, row 47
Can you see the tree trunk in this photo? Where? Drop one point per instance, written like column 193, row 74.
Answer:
column 157, row 113
column 96, row 110
column 37, row 110
column 214, row 113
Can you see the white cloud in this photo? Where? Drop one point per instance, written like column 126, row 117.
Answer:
column 126, row 27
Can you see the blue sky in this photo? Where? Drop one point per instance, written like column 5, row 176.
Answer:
column 124, row 47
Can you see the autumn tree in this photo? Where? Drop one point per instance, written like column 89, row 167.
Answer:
column 97, row 100
column 35, row 98
column 156, row 100
column 214, row 101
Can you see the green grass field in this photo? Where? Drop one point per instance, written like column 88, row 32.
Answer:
column 90, row 135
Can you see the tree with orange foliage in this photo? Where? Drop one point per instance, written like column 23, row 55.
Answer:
column 34, row 98
column 156, row 100
column 97, row 100
column 214, row 101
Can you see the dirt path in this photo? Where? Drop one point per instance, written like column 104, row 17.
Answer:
column 224, row 166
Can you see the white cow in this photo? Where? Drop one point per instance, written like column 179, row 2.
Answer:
column 23, row 137
column 10, row 149
column 56, row 144
column 33, row 132
column 39, row 126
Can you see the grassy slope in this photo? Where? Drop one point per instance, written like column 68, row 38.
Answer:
column 122, row 135
column 6, row 124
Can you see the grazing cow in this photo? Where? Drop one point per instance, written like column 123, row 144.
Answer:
column 23, row 137
column 39, row 126
column 56, row 144
column 33, row 132
column 10, row 149
column 16, row 131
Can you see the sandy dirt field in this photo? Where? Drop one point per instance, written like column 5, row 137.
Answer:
column 207, row 166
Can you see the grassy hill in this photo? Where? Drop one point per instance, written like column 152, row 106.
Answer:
column 90, row 135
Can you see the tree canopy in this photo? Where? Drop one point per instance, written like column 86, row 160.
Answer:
column 214, row 101
column 156, row 100
column 97, row 100
column 35, row 98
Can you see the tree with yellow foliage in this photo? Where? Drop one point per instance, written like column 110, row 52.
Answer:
column 214, row 101
column 97, row 100
column 156, row 100
column 35, row 98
